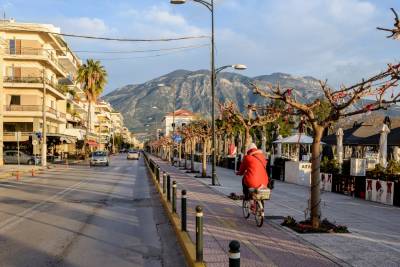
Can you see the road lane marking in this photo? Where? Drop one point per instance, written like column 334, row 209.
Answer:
column 23, row 215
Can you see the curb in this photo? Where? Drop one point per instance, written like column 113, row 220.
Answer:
column 317, row 249
column 184, row 240
column 24, row 172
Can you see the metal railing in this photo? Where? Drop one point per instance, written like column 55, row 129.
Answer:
column 34, row 108
column 29, row 79
column 23, row 108
column 38, row 52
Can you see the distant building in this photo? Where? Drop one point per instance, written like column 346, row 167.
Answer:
column 181, row 116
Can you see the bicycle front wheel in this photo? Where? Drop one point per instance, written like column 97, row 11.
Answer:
column 246, row 208
column 259, row 213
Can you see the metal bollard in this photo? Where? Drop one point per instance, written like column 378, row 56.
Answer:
column 168, row 188
column 183, row 211
column 199, row 234
column 234, row 253
column 158, row 174
column 174, row 196
column 164, row 179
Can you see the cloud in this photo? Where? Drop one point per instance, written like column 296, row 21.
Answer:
column 162, row 16
column 85, row 25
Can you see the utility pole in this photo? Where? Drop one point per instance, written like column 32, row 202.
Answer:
column 44, row 126
column 1, row 103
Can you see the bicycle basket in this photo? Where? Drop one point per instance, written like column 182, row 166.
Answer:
column 262, row 194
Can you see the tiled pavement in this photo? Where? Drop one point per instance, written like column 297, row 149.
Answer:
column 223, row 222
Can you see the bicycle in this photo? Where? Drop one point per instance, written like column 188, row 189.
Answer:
column 255, row 205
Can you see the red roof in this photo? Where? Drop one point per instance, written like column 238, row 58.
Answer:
column 182, row 113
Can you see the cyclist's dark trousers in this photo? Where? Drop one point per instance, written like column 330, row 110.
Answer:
column 246, row 192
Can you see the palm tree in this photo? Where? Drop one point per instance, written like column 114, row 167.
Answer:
column 93, row 78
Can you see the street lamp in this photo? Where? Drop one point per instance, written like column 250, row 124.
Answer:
column 210, row 6
column 235, row 66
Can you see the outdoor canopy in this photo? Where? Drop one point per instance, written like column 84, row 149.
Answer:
column 295, row 139
column 367, row 135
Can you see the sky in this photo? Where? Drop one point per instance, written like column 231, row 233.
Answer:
column 327, row 39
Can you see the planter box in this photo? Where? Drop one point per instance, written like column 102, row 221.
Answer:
column 326, row 182
column 379, row 191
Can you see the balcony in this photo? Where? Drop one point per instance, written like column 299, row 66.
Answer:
column 37, row 54
column 23, row 108
column 33, row 82
column 34, row 108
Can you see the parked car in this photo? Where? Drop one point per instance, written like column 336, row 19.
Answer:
column 99, row 158
column 133, row 154
column 11, row 157
column 122, row 150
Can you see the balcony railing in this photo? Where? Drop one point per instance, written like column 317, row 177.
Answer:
column 34, row 108
column 52, row 110
column 39, row 52
column 23, row 108
column 13, row 79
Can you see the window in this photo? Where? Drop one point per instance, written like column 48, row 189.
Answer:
column 13, row 49
column 15, row 100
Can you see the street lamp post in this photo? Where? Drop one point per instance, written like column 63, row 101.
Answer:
column 210, row 7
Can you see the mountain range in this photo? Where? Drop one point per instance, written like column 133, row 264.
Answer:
column 147, row 103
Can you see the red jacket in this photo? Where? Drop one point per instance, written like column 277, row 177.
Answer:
column 253, row 168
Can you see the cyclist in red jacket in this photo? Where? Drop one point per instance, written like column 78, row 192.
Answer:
column 253, row 169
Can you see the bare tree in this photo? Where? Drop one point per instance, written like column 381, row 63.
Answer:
column 256, row 117
column 396, row 30
column 202, row 130
column 189, row 134
column 343, row 104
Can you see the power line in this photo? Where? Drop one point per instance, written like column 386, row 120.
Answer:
column 150, row 56
column 114, row 39
column 112, row 52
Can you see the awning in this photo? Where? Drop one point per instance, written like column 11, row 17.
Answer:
column 62, row 137
column 92, row 143
column 296, row 139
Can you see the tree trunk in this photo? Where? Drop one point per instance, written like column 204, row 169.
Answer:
column 192, row 147
column 88, row 130
column 204, row 160
column 263, row 139
column 247, row 139
column 315, row 206
column 240, row 144
column 185, row 152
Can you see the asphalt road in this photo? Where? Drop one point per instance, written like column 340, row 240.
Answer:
column 81, row 216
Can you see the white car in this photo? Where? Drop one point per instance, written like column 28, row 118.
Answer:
column 133, row 154
column 99, row 158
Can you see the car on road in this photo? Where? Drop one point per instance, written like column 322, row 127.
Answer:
column 133, row 154
column 99, row 158
column 11, row 157
column 122, row 150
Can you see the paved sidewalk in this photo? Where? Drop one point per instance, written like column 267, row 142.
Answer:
column 223, row 222
column 374, row 239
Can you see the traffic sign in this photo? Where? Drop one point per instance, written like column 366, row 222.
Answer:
column 177, row 138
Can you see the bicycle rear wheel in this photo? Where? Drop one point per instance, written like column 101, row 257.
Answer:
column 246, row 208
column 259, row 213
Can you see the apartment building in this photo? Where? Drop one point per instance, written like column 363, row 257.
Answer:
column 117, row 122
column 31, row 72
column 180, row 116
column 38, row 72
column 103, row 124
